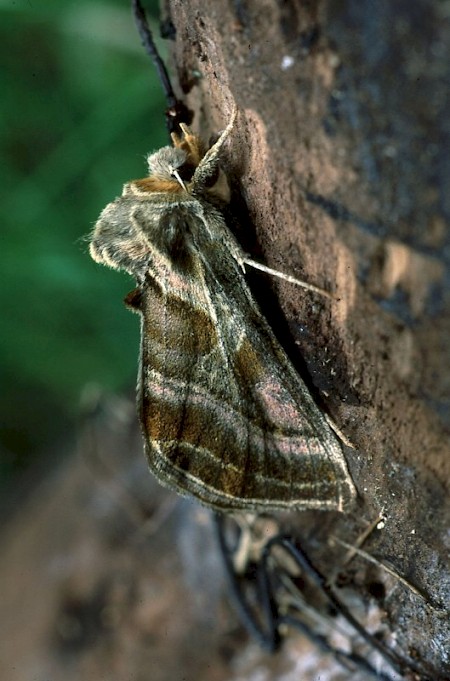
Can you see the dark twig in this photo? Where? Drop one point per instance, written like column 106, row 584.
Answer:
column 261, row 616
column 265, row 628
column 177, row 112
column 400, row 665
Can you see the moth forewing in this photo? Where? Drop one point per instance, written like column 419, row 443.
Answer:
column 226, row 418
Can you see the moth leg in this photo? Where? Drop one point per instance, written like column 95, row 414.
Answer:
column 355, row 550
column 208, row 168
column 339, row 432
column 289, row 278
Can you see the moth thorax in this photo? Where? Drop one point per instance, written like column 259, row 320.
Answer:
column 163, row 162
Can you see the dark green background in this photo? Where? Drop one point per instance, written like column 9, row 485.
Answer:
column 80, row 107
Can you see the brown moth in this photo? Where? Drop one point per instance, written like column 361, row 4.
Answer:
column 225, row 416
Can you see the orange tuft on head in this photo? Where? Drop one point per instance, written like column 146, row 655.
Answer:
column 157, row 184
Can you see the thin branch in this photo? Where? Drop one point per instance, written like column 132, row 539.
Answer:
column 177, row 112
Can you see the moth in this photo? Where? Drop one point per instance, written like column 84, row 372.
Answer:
column 225, row 416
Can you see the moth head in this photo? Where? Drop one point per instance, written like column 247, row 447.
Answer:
column 171, row 163
column 164, row 162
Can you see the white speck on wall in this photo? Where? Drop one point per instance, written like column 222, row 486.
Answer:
column 287, row 62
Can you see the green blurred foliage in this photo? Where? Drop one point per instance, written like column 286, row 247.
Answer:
column 80, row 107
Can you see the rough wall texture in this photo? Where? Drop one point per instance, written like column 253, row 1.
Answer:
column 340, row 156
column 340, row 169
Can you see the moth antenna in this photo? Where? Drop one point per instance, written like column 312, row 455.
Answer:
column 287, row 277
column 176, row 112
